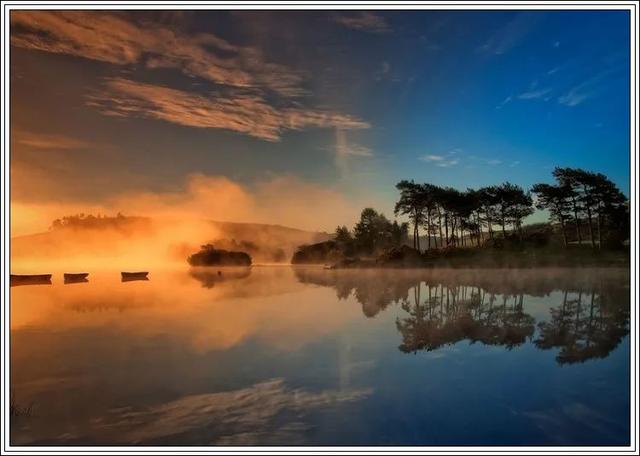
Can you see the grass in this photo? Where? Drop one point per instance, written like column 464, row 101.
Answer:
column 526, row 256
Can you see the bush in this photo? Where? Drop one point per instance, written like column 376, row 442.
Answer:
column 210, row 256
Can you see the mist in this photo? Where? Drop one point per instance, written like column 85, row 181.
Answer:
column 172, row 225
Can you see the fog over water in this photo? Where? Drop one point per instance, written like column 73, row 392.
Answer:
column 305, row 355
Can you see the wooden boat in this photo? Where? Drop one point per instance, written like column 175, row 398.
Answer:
column 30, row 279
column 76, row 277
column 129, row 276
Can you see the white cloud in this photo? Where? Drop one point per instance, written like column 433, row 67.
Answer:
column 574, row 97
column 585, row 90
column 509, row 36
column 505, row 101
column 439, row 160
column 432, row 158
column 533, row 94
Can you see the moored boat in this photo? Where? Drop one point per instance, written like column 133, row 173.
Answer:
column 80, row 277
column 30, row 279
column 76, row 276
column 128, row 276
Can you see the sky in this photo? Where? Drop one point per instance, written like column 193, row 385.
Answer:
column 302, row 118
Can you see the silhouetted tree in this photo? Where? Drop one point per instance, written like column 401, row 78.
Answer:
column 488, row 200
column 556, row 200
column 374, row 232
column 343, row 235
column 592, row 194
column 513, row 205
column 411, row 204
column 567, row 179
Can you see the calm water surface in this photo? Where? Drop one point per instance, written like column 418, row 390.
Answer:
column 294, row 356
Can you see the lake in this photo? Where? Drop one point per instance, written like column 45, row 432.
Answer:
column 307, row 356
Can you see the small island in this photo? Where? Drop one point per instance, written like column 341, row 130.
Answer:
column 208, row 255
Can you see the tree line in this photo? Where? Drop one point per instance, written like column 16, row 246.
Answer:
column 578, row 200
column 374, row 232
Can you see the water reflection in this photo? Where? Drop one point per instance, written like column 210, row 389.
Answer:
column 449, row 315
column 72, row 280
column 589, row 324
column 443, row 307
column 209, row 277
column 310, row 356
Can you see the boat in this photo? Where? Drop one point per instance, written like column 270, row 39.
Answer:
column 129, row 276
column 30, row 279
column 75, row 276
column 80, row 277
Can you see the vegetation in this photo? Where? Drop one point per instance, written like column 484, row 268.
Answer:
column 371, row 235
column 260, row 252
column 454, row 218
column 485, row 227
column 450, row 217
column 89, row 221
column 210, row 256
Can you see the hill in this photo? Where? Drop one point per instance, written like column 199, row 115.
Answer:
column 101, row 237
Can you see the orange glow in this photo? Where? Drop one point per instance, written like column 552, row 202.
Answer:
column 204, row 318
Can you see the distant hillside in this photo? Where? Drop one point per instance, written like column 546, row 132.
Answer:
column 104, row 236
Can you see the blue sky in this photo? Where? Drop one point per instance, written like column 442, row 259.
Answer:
column 349, row 102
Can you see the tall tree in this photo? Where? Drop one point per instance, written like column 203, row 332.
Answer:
column 567, row 178
column 609, row 202
column 555, row 199
column 488, row 202
column 411, row 204
column 513, row 205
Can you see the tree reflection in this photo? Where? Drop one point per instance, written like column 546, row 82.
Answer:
column 452, row 314
column 443, row 307
column 589, row 324
column 208, row 277
column 375, row 290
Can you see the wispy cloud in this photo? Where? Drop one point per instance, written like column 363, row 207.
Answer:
column 118, row 40
column 440, row 160
column 268, row 412
column 47, row 141
column 383, row 72
column 479, row 160
column 583, row 91
column 240, row 112
column 364, row 21
column 250, row 94
column 347, row 154
column 505, row 101
column 533, row 94
column 509, row 36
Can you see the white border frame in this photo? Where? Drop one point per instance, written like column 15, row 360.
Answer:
column 631, row 6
